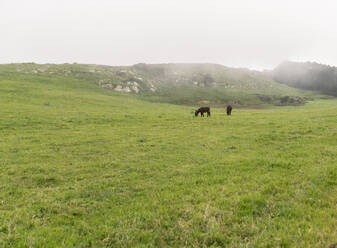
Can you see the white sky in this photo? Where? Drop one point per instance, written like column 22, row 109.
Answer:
column 242, row 33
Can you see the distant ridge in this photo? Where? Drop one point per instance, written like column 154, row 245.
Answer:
column 187, row 84
column 307, row 75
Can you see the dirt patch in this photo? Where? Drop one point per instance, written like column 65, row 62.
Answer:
column 252, row 106
column 204, row 102
column 239, row 106
column 246, row 106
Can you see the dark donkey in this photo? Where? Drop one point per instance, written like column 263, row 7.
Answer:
column 202, row 110
column 229, row 109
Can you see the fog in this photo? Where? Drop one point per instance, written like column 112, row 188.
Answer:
column 253, row 34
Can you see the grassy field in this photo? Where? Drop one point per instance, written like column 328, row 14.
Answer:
column 84, row 167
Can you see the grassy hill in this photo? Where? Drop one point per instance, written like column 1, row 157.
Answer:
column 82, row 166
column 188, row 84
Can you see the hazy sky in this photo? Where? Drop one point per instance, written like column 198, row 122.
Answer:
column 255, row 34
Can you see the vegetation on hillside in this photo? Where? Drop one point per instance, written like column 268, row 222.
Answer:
column 189, row 84
column 309, row 76
column 81, row 166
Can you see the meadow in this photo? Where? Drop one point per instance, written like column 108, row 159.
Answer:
column 82, row 166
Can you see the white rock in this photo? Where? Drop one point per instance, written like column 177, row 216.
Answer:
column 119, row 88
column 126, row 89
column 107, row 86
column 135, row 88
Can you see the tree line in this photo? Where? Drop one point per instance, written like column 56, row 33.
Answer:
column 308, row 75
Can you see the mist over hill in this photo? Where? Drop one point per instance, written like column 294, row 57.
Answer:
column 188, row 84
column 308, row 75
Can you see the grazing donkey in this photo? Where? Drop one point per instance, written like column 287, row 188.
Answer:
column 202, row 110
column 229, row 109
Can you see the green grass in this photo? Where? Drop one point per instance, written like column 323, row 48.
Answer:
column 84, row 167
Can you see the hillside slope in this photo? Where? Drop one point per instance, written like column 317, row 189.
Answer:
column 188, row 84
